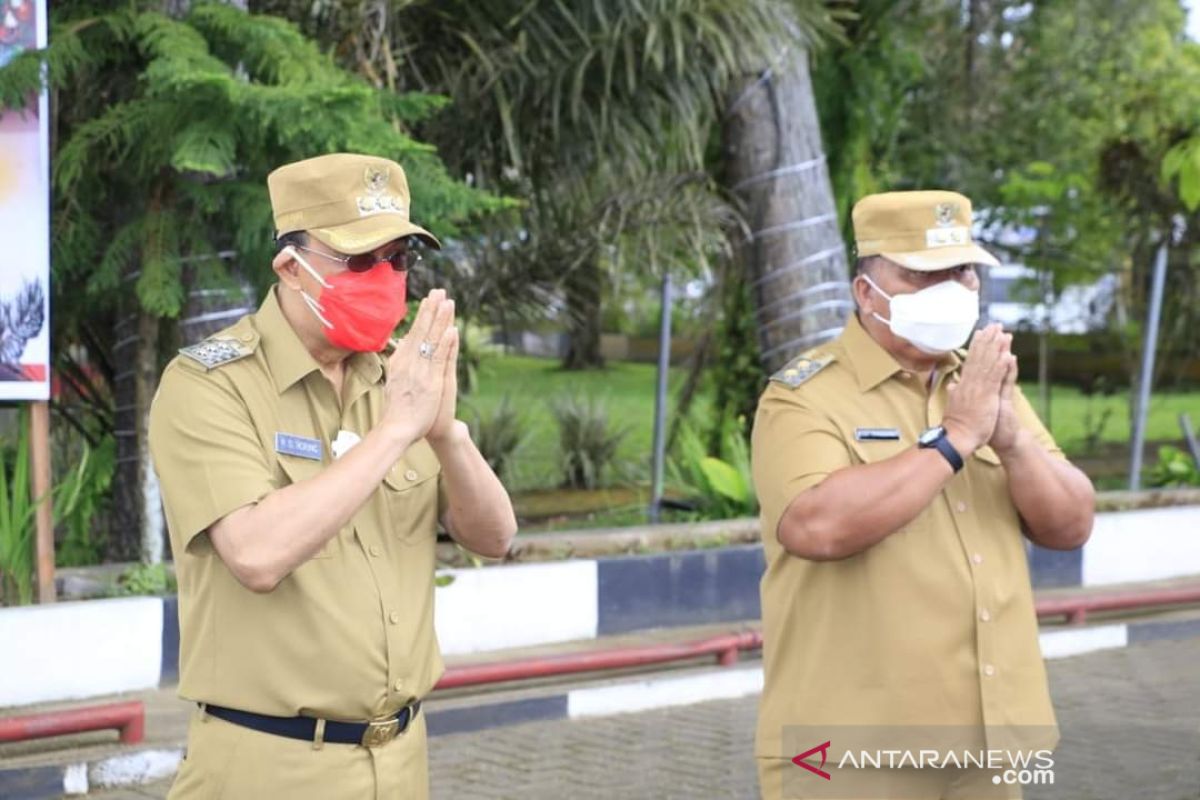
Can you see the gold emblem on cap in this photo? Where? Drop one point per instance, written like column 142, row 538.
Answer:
column 944, row 213
column 375, row 179
column 376, row 201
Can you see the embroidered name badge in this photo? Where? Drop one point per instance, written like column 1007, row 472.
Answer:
column 876, row 434
column 291, row 445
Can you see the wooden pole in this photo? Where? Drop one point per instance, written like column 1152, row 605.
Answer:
column 39, row 449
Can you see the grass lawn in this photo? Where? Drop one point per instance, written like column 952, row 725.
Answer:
column 628, row 391
column 1072, row 414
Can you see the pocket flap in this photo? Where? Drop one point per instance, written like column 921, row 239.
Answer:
column 870, row 451
column 418, row 465
column 297, row 468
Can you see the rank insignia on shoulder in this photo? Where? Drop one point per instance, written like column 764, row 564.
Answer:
column 800, row 369
column 215, row 352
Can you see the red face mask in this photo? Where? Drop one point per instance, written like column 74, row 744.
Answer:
column 359, row 310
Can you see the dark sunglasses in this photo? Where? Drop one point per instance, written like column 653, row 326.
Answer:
column 401, row 260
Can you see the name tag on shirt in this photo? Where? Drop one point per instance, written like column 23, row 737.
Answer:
column 291, row 445
column 876, row 434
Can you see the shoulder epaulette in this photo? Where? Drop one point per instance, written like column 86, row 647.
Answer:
column 218, row 351
column 801, row 368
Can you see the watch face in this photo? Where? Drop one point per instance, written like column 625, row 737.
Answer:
column 930, row 435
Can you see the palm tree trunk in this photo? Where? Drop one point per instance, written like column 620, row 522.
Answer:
column 137, row 533
column 793, row 256
column 583, row 290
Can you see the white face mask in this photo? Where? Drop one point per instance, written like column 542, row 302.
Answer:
column 935, row 320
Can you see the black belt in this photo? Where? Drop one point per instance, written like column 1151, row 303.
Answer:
column 369, row 734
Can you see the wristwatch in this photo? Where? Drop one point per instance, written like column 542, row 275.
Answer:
column 936, row 437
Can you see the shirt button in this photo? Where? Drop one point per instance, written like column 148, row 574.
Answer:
column 989, row 670
column 399, row 685
column 961, row 506
column 977, row 558
column 394, row 617
column 411, row 475
column 374, row 551
column 984, row 616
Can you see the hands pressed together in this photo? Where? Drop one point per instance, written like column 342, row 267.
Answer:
column 980, row 410
column 421, row 394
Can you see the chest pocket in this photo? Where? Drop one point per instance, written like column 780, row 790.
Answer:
column 410, row 490
column 293, row 469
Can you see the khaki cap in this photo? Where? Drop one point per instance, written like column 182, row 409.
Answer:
column 352, row 203
column 923, row 231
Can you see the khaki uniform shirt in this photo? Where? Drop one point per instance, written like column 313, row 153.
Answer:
column 349, row 634
column 935, row 624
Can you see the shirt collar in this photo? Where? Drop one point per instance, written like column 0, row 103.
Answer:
column 287, row 357
column 872, row 364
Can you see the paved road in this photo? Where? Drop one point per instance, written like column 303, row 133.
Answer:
column 1130, row 721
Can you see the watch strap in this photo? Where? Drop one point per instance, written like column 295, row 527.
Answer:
column 942, row 443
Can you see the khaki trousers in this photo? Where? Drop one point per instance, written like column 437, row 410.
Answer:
column 229, row 762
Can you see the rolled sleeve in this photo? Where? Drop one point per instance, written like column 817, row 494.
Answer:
column 207, row 455
column 793, row 448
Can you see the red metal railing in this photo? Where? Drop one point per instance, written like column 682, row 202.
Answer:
column 724, row 647
column 128, row 718
column 727, row 647
column 1075, row 609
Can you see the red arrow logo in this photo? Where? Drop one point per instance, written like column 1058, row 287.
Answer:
column 800, row 762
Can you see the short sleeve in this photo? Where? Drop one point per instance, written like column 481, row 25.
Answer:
column 207, row 455
column 1029, row 420
column 793, row 447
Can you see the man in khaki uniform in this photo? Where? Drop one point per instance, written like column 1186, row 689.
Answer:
column 896, row 475
column 304, row 473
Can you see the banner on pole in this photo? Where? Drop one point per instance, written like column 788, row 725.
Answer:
column 24, row 220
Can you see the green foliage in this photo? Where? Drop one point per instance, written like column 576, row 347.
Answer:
column 1097, row 411
column 166, row 131
column 146, row 579
column 17, row 510
column 718, row 487
column 499, row 435
column 587, row 441
column 1175, row 468
column 74, row 499
column 1183, row 162
column 736, row 372
column 84, row 492
column 596, row 115
column 864, row 88
column 1072, row 122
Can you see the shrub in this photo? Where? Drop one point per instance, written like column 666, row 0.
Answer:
column 716, row 488
column 1174, row 468
column 499, row 435
column 587, row 441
